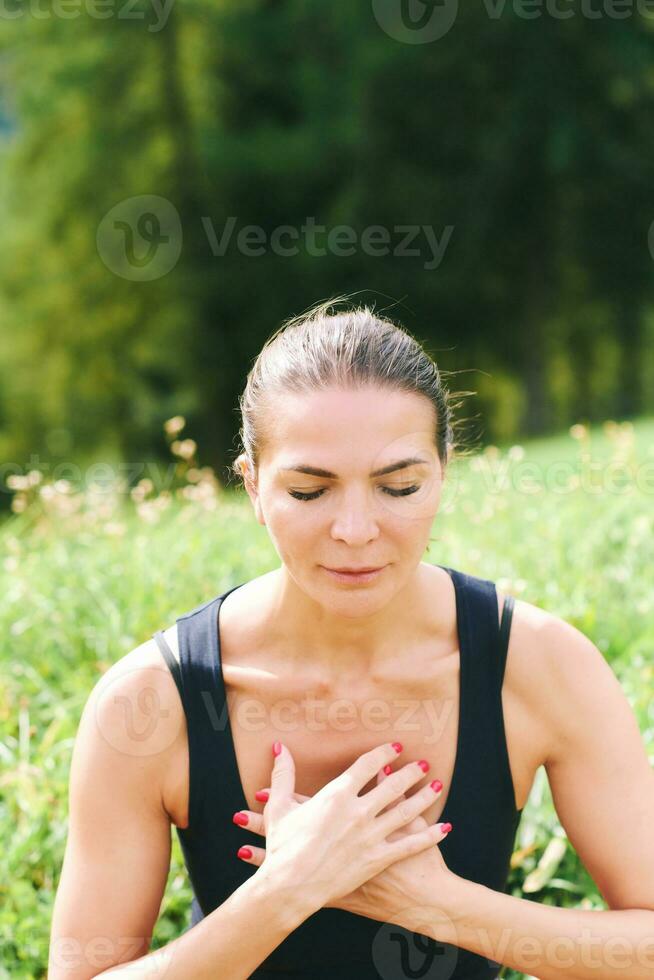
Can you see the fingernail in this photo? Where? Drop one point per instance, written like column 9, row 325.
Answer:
column 387, row 770
column 424, row 765
column 277, row 748
column 244, row 852
column 261, row 795
column 241, row 818
column 445, row 828
column 397, row 746
column 436, row 785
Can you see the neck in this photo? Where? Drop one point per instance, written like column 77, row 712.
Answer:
column 356, row 636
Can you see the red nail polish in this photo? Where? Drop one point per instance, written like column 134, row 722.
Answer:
column 241, row 819
column 244, row 852
column 261, row 795
column 277, row 748
column 397, row 746
column 436, row 785
column 445, row 828
column 424, row 765
column 387, row 770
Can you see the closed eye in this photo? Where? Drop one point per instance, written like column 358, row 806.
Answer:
column 403, row 492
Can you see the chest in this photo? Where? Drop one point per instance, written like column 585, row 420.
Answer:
column 327, row 727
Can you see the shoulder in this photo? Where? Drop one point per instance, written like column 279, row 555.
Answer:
column 143, row 661
column 137, row 707
column 551, row 666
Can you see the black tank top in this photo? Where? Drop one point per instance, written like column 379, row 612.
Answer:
column 480, row 804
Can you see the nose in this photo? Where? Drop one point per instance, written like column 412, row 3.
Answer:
column 355, row 522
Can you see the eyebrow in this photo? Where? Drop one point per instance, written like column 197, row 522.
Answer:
column 317, row 471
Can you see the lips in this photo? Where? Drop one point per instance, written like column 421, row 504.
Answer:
column 358, row 577
column 355, row 571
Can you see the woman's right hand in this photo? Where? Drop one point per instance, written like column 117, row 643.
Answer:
column 329, row 845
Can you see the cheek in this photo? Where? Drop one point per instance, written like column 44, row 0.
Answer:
column 292, row 524
column 411, row 536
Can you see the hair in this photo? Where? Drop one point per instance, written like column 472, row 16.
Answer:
column 348, row 348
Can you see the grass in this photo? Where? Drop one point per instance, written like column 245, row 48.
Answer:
column 564, row 523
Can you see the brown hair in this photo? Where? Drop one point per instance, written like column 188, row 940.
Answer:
column 350, row 348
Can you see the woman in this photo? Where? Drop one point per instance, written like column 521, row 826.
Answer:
column 358, row 862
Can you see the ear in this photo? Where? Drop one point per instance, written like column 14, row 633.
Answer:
column 251, row 485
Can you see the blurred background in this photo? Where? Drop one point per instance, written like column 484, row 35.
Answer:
column 177, row 177
column 165, row 168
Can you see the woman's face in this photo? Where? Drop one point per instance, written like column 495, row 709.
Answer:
column 354, row 517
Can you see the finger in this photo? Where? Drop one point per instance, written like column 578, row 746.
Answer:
column 414, row 843
column 392, row 789
column 251, row 854
column 419, row 823
column 381, row 776
column 262, row 796
column 366, row 767
column 282, row 780
column 253, row 821
column 406, row 812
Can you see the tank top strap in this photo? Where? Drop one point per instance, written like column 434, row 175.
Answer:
column 169, row 657
column 212, row 758
column 482, row 768
column 480, row 635
column 505, row 629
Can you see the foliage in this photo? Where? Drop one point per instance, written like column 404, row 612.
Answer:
column 530, row 138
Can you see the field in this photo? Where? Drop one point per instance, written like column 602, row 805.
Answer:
column 565, row 523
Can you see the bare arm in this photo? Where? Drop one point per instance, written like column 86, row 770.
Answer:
column 603, row 790
column 118, row 848
column 230, row 942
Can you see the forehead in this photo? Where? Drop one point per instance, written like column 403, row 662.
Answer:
column 336, row 424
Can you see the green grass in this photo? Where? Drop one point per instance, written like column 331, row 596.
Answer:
column 84, row 579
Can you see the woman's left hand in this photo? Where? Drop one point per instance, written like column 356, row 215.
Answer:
column 403, row 893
